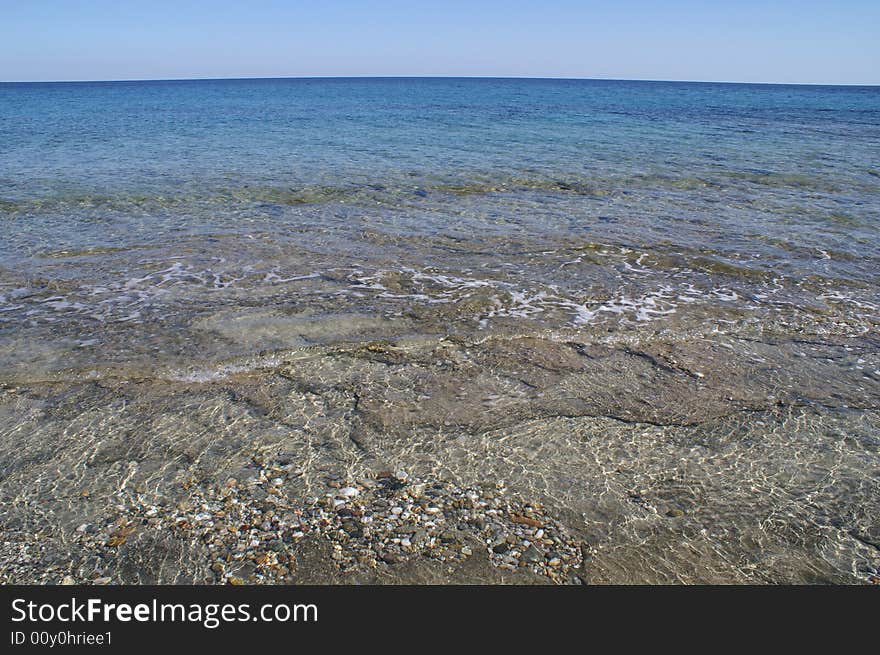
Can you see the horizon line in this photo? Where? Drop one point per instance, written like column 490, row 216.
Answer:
column 439, row 77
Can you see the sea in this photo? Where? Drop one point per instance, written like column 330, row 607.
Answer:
column 651, row 307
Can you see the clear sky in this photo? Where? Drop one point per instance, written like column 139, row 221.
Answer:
column 804, row 41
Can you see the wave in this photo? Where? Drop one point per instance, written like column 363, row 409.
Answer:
column 420, row 189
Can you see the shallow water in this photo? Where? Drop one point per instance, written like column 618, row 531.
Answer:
column 652, row 307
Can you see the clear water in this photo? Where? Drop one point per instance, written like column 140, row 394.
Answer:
column 712, row 250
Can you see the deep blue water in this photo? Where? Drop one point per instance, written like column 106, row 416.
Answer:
column 163, row 137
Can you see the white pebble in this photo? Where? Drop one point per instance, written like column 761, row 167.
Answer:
column 347, row 492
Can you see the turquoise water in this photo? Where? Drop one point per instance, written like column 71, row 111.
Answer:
column 651, row 306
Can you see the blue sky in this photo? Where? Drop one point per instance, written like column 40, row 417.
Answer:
column 743, row 40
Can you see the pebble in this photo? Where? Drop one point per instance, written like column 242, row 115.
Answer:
column 251, row 536
column 532, row 555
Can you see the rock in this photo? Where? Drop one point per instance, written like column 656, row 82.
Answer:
column 67, row 580
column 352, row 528
column 348, row 492
column 120, row 536
column 525, row 520
column 674, row 513
column 532, row 555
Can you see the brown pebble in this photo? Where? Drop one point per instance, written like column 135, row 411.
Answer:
column 525, row 520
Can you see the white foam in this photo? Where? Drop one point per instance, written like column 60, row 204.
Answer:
column 223, row 371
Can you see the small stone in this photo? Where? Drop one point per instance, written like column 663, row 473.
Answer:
column 67, row 580
column 348, row 492
column 532, row 555
column 120, row 536
column 525, row 520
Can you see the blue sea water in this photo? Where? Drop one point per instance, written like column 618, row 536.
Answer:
column 161, row 137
